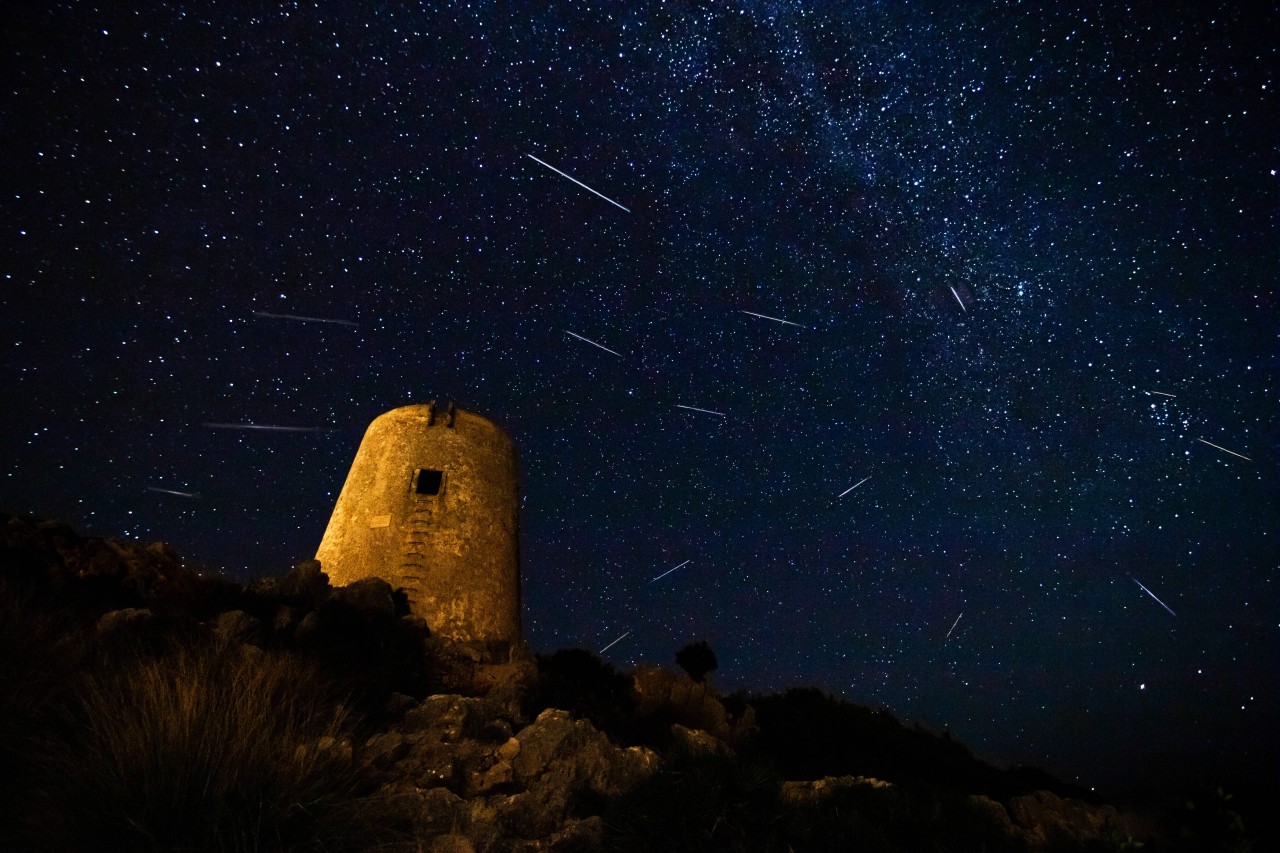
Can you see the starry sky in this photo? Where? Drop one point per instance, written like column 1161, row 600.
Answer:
column 1026, row 255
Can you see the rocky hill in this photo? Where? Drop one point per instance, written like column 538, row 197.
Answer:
column 145, row 706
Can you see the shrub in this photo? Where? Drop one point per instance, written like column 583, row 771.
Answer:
column 577, row 681
column 200, row 750
column 697, row 660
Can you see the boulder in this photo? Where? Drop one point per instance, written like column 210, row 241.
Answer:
column 371, row 597
column 115, row 621
column 698, row 742
column 307, row 630
column 452, row 844
column 451, row 718
column 499, row 778
column 236, row 626
column 884, row 800
column 660, row 693
column 556, row 757
column 579, row 835
column 440, row 812
column 306, row 582
column 1046, row 821
column 384, row 749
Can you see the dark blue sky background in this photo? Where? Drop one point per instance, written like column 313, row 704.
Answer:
column 1030, row 252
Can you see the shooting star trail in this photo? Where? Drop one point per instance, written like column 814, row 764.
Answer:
column 268, row 427
column 1224, row 450
column 669, row 571
column 302, row 319
column 854, row 486
column 696, row 409
column 774, row 319
column 1153, row 595
column 576, row 181
column 173, row 492
column 614, row 643
column 593, row 343
column 1162, row 394
column 953, row 627
column 958, row 299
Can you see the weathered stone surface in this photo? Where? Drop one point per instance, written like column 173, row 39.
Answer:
column 450, row 541
column 441, row 812
column 236, row 626
column 884, row 798
column 579, row 836
column 398, row 704
column 334, row 748
column 115, row 621
column 431, row 764
column 499, row 777
column 988, row 814
column 307, row 630
column 659, row 692
column 537, row 812
column 452, row 844
column 306, row 581
column 697, row 742
column 509, row 750
column 453, row 718
column 384, row 749
column 1046, row 821
column 558, row 756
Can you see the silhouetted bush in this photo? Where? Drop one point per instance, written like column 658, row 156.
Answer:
column 370, row 652
column 577, row 681
column 697, row 660
column 815, row 735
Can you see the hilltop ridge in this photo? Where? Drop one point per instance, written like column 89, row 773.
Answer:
column 291, row 714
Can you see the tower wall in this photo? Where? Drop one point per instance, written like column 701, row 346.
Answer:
column 430, row 505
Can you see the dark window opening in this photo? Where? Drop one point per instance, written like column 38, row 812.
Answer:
column 427, row 481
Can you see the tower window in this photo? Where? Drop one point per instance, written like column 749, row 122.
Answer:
column 427, row 481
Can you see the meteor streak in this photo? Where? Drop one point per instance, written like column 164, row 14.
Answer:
column 669, row 571
column 1162, row 394
column 696, row 409
column 953, row 627
column 958, row 299
column 1224, row 450
column 1153, row 595
column 854, row 486
column 173, row 492
column 268, row 427
column 302, row 319
column 593, row 343
column 576, row 181
column 774, row 319
column 614, row 643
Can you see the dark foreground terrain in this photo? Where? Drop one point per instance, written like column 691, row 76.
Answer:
column 145, row 706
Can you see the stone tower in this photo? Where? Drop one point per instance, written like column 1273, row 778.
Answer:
column 430, row 505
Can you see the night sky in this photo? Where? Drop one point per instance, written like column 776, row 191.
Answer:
column 1027, row 256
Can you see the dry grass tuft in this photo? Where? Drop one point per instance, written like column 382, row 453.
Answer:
column 222, row 750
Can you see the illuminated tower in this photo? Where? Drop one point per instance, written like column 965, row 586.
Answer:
column 430, row 505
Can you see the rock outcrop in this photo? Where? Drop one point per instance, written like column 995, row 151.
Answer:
column 461, row 749
column 463, row 769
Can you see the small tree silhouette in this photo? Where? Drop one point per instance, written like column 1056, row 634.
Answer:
column 697, row 659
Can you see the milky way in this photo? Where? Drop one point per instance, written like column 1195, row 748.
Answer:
column 1011, row 269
